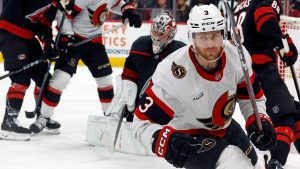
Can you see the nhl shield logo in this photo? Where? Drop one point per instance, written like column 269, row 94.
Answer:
column 218, row 76
column 178, row 71
column 72, row 62
column 22, row 56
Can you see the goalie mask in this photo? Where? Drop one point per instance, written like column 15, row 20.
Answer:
column 163, row 30
column 205, row 27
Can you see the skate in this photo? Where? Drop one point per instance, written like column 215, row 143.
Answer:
column 11, row 130
column 52, row 126
column 274, row 164
column 38, row 125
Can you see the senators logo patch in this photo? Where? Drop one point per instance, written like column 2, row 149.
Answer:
column 178, row 71
column 206, row 145
column 98, row 16
column 222, row 112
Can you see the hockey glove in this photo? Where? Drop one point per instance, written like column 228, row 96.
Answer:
column 128, row 12
column 289, row 57
column 65, row 44
column 175, row 147
column 263, row 141
column 49, row 50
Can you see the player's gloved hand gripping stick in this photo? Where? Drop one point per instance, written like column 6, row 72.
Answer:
column 290, row 53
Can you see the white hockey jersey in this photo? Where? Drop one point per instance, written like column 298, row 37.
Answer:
column 187, row 98
column 88, row 16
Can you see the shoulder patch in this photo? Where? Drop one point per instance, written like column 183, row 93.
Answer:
column 178, row 71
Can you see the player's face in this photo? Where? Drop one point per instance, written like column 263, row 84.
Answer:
column 159, row 39
column 159, row 36
column 208, row 44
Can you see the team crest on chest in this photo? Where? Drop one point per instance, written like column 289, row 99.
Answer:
column 98, row 16
column 222, row 112
column 178, row 71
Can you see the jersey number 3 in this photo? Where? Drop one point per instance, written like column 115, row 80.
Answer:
column 146, row 105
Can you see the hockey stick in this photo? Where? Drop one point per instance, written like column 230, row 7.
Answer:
column 30, row 65
column 100, row 34
column 287, row 49
column 237, row 39
column 119, row 125
column 295, row 81
column 29, row 114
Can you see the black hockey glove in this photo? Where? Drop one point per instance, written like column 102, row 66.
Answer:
column 49, row 49
column 65, row 44
column 267, row 139
column 67, row 50
column 173, row 146
column 291, row 56
column 128, row 12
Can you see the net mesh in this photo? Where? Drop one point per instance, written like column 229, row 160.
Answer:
column 290, row 25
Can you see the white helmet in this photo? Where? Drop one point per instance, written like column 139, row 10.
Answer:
column 163, row 30
column 205, row 18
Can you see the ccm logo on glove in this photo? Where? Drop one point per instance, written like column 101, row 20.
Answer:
column 164, row 137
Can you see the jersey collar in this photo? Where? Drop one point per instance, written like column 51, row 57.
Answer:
column 216, row 76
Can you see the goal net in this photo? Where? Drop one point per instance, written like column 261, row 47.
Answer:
column 290, row 25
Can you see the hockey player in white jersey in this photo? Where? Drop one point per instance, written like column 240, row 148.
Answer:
column 185, row 115
column 84, row 20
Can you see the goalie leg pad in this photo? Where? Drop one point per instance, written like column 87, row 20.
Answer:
column 95, row 129
column 101, row 132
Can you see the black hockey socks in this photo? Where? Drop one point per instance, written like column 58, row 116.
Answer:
column 15, row 96
column 297, row 136
column 285, row 136
column 51, row 97
column 105, row 96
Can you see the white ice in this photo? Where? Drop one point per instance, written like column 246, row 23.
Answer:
column 69, row 149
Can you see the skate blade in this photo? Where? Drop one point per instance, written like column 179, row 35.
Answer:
column 47, row 131
column 52, row 131
column 8, row 135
